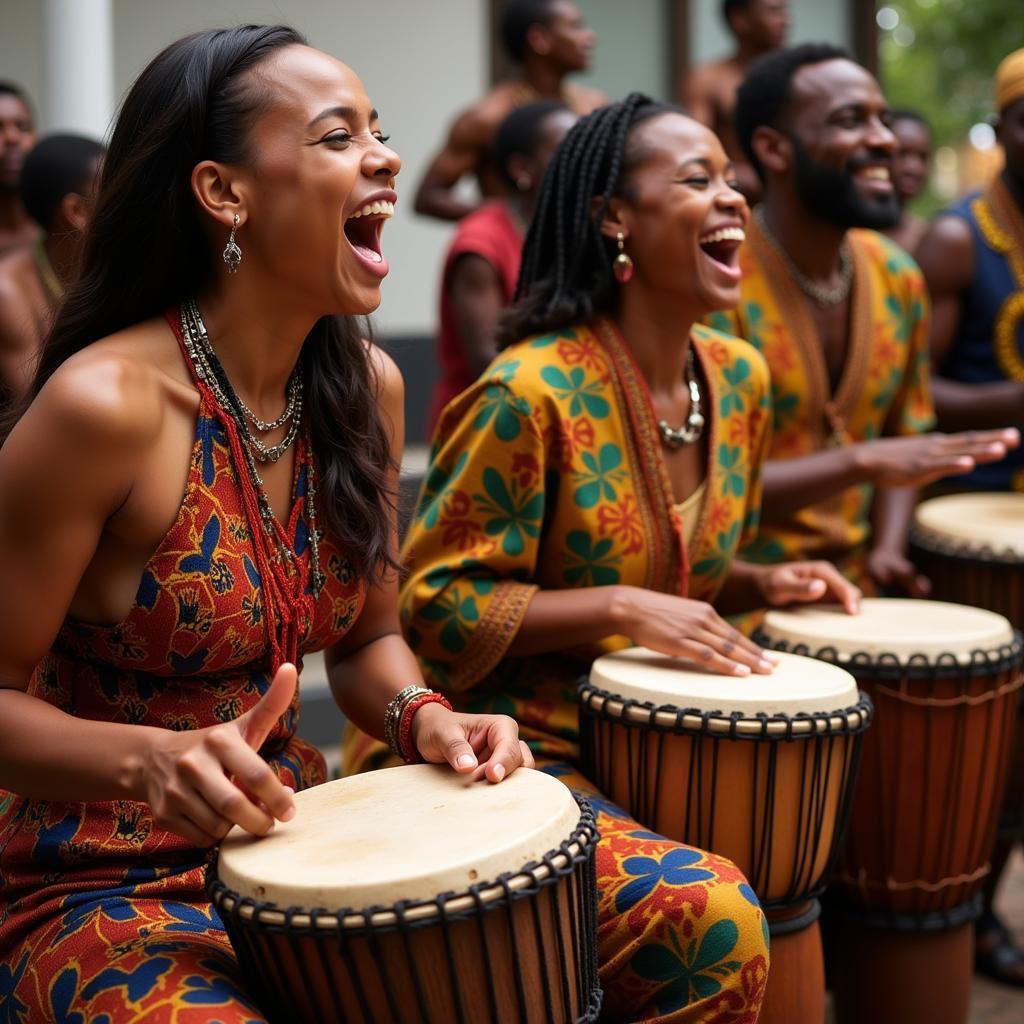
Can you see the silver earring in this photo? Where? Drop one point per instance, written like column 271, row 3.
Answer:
column 232, row 255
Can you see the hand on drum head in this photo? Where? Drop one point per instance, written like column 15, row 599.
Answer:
column 202, row 782
column 921, row 460
column 892, row 570
column 486, row 745
column 683, row 628
column 803, row 582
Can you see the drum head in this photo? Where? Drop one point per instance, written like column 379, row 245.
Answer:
column 408, row 833
column 891, row 626
column 797, row 685
column 975, row 521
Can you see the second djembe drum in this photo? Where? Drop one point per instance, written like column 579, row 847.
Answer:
column 758, row 769
column 944, row 680
column 971, row 547
column 414, row 896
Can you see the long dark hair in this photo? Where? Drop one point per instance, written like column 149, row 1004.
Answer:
column 145, row 251
column 566, row 274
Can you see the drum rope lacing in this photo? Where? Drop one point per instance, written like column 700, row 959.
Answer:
column 406, row 917
column 820, row 733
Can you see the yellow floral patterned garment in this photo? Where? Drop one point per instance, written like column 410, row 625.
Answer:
column 884, row 389
column 548, row 473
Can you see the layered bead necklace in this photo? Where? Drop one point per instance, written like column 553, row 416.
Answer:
column 279, row 566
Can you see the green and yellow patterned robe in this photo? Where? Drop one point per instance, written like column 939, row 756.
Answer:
column 548, row 473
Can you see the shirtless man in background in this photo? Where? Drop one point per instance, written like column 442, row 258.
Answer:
column 708, row 92
column 550, row 40
column 57, row 185
column 17, row 137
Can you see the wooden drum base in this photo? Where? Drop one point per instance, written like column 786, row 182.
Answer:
column 795, row 993
column 901, row 977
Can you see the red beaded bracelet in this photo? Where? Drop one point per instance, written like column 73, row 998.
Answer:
column 409, row 753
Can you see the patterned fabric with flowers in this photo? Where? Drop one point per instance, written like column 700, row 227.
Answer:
column 884, row 389
column 548, row 473
column 103, row 916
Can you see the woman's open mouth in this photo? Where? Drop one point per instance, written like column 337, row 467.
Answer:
column 362, row 231
column 722, row 247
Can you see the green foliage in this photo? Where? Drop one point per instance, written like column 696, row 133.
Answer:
column 941, row 57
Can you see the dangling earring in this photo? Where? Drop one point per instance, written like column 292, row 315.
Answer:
column 622, row 266
column 232, row 255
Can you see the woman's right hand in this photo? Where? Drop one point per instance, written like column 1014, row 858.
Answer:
column 683, row 628
column 923, row 459
column 201, row 782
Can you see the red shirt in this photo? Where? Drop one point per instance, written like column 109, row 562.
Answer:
column 490, row 233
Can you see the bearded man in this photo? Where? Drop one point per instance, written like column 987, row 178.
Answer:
column 840, row 314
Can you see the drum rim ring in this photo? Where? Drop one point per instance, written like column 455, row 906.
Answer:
column 917, row 667
column 939, row 544
column 685, row 721
column 905, row 921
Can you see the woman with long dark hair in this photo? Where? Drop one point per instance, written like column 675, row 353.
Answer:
column 592, row 490
column 199, row 492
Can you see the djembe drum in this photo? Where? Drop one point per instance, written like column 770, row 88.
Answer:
column 758, row 769
column 413, row 896
column 944, row 680
column 971, row 546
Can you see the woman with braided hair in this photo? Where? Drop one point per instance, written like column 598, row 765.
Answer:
column 591, row 490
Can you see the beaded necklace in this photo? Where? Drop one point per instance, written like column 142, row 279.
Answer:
column 287, row 604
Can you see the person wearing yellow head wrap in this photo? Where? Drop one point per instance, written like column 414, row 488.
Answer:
column 973, row 262
column 1009, row 84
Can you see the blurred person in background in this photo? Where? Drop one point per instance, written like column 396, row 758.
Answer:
column 911, row 166
column 550, row 40
column 482, row 263
column 57, row 185
column 709, row 91
column 17, row 137
column 973, row 261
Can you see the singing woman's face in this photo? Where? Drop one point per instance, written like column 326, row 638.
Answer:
column 321, row 185
column 683, row 216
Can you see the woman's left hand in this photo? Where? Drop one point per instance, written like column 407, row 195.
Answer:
column 488, row 745
column 793, row 582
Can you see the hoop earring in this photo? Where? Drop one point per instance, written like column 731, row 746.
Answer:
column 622, row 265
column 232, row 255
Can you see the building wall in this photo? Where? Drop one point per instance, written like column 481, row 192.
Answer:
column 421, row 63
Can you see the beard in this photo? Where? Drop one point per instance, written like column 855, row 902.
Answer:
column 832, row 195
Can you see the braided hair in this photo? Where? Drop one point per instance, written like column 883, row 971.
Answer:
column 566, row 273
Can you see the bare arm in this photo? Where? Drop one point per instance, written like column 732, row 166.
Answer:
column 946, row 257
column 792, row 484
column 477, row 300
column 18, row 344
column 678, row 626
column 461, row 155
column 373, row 662
column 697, row 96
column 888, row 564
column 65, row 470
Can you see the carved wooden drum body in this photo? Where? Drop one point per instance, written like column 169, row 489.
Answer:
column 945, row 681
column 412, row 895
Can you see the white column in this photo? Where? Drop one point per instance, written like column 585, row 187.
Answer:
column 79, row 66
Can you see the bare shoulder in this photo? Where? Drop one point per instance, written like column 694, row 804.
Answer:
column 391, row 385
column 477, row 124
column 15, row 270
column 946, row 252
column 114, row 391
column 583, row 99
